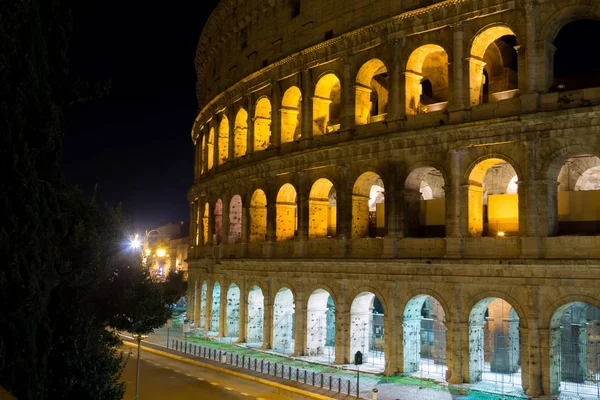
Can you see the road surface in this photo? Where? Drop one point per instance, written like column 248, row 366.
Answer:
column 165, row 378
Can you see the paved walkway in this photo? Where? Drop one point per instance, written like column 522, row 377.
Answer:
column 392, row 388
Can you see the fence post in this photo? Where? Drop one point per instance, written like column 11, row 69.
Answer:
column 330, row 383
column 304, row 376
column 262, row 365
column 290, row 373
column 348, row 387
column 297, row 375
column 321, row 380
column 339, row 385
column 312, row 378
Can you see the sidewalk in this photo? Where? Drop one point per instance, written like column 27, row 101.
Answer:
column 392, row 388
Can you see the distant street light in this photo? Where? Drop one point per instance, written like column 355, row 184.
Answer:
column 139, row 337
column 135, row 242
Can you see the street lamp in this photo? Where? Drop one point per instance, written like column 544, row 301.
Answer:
column 139, row 337
column 135, row 242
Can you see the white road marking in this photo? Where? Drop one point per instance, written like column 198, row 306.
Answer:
column 228, row 388
column 245, row 394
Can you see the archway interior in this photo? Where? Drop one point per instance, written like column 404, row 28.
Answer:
column 287, row 213
column 233, row 311
column 235, row 219
column 218, row 214
column 320, row 331
column 424, row 337
column 575, row 66
column 216, row 308
column 424, row 203
column 427, row 67
column 203, row 305
column 256, row 312
column 223, row 140
column 579, row 196
column 240, row 134
column 283, row 322
column 493, row 66
column 494, row 344
column 493, row 199
column 326, row 105
column 291, row 115
column 575, row 350
column 372, row 89
column 322, row 210
column 210, row 149
column 205, row 223
column 262, row 124
column 202, row 157
column 366, row 329
column 368, row 207
column 258, row 216
column 197, row 221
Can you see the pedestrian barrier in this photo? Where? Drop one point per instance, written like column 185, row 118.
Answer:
column 326, row 381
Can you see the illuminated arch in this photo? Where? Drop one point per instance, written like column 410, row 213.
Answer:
column 287, row 216
column 428, row 65
column 235, row 219
column 322, row 204
column 371, row 91
column 291, row 115
column 424, row 203
column 210, row 149
column 262, row 124
column 223, row 140
column 258, row 216
column 368, row 206
column 240, row 134
column 326, row 105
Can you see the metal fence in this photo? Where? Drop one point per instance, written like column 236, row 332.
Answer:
column 580, row 368
column 325, row 381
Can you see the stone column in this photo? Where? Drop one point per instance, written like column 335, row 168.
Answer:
column 223, row 310
column 275, row 114
column 250, row 132
column 211, row 225
column 303, row 209
column 551, row 359
column 412, row 210
column 225, row 219
column 242, row 316
column 342, row 334
column 472, row 198
column 348, row 105
column 412, row 82
column 344, row 205
column 457, row 101
column 547, row 206
column 307, row 94
column 197, row 304
column 197, row 158
column 391, row 327
column 268, row 323
column 530, row 15
column 245, row 239
column 392, row 194
column 208, row 306
column 453, row 197
column 476, row 351
column 476, row 66
column 231, row 141
column 299, row 324
column 363, row 104
column 411, row 343
column 205, row 150
column 396, row 98
column 271, row 229
column 454, row 351
column 532, row 341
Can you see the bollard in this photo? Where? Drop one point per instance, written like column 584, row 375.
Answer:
column 304, row 376
column 297, row 375
column 339, row 385
column 290, row 373
column 312, row 379
column 274, row 369
column 262, row 365
column 375, row 393
column 321, row 381
column 330, row 383
column 348, row 387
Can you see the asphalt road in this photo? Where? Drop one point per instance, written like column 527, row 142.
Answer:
column 164, row 378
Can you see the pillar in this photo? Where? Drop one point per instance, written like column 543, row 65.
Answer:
column 412, row 82
column 476, row 351
column 223, row 310
column 226, row 199
column 242, row 319
column 396, row 97
column 363, row 104
column 344, row 205
column 250, row 132
column 342, row 334
column 472, row 199
column 245, row 239
column 299, row 325
column 348, row 106
column 231, row 141
column 211, row 225
column 268, row 323
column 411, row 343
column 209, row 302
column 412, row 212
column 275, row 114
column 530, row 15
column 197, row 305
column 476, row 66
column 307, row 93
column 457, row 102
column 320, row 115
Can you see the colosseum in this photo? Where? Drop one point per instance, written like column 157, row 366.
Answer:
column 418, row 180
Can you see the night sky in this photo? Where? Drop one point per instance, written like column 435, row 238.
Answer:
column 134, row 143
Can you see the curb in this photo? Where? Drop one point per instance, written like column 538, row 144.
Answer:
column 233, row 373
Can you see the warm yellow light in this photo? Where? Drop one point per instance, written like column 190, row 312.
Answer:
column 147, row 252
column 500, row 233
column 161, row 252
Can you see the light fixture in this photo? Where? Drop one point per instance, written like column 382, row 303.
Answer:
column 148, row 252
column 135, row 242
column 500, row 233
column 161, row 252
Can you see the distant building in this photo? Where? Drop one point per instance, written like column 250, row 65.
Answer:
column 166, row 248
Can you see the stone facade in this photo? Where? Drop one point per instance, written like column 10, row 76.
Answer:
column 450, row 110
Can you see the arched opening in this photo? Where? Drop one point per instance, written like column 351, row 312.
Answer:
column 233, row 311
column 427, row 68
column 235, row 219
column 223, row 140
column 203, row 153
column 372, row 89
column 493, row 66
column 216, row 308
column 494, row 344
column 326, row 105
column 197, row 211
column 493, row 199
column 240, row 134
column 205, row 223
column 579, row 196
column 203, row 305
column 283, row 321
column 424, row 203
column 258, row 216
column 322, row 208
column 262, row 124
column 287, row 213
column 218, row 214
column 368, row 208
column 424, row 337
column 256, row 312
column 575, row 350
column 320, row 326
column 291, row 115
column 366, row 329
column 210, row 150
column 575, row 65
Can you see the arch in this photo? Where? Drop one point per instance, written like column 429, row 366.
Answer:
column 255, row 316
column 223, row 140
column 372, row 87
column 322, row 209
column 262, row 124
column 320, row 325
column 202, row 158
column 368, row 206
column 258, row 216
column 326, row 104
column 240, row 134
column 218, row 215
column 424, row 336
column 493, row 64
column 210, row 149
column 287, row 213
column 235, row 219
column 283, row 321
column 491, row 211
column 203, row 291
column 424, row 203
column 205, row 223
column 494, row 342
column 233, row 311
column 367, row 333
column 291, row 115
column 426, row 63
column 216, row 308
